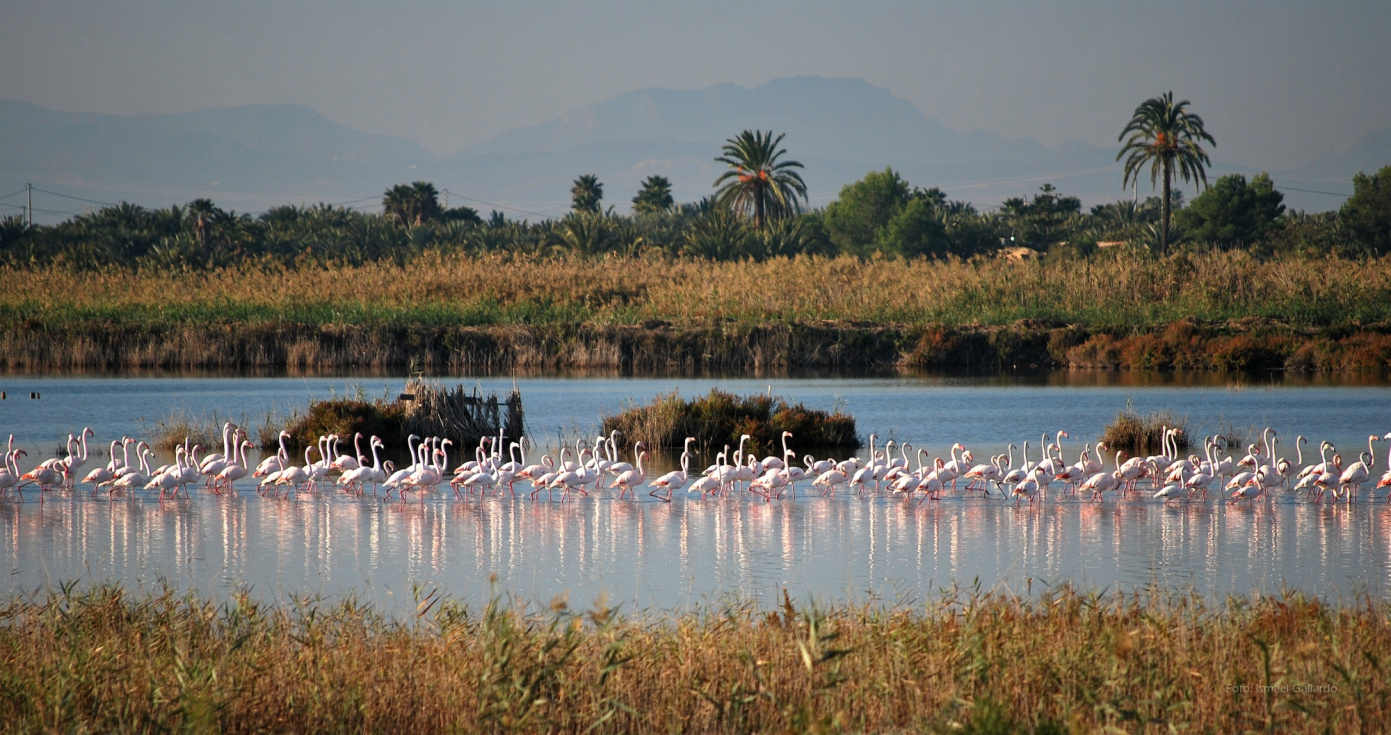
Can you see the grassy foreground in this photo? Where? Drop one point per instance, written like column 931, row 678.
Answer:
column 1218, row 310
column 107, row 660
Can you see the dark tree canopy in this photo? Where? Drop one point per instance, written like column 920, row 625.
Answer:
column 587, row 193
column 1367, row 213
column 864, row 207
column 412, row 204
column 1233, row 212
column 654, row 196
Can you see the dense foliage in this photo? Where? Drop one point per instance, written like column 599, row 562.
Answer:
column 882, row 214
column 724, row 418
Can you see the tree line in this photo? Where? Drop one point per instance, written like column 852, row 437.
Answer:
column 757, row 211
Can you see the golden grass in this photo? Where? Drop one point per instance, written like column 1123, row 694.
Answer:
column 502, row 289
column 111, row 661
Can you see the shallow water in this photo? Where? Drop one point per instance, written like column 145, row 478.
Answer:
column 652, row 555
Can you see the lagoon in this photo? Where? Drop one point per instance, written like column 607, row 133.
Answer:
column 692, row 553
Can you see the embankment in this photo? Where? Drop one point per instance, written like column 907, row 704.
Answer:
column 655, row 346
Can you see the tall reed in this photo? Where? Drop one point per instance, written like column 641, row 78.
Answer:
column 436, row 289
column 106, row 659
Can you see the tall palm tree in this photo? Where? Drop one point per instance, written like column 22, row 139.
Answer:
column 654, row 196
column 587, row 193
column 757, row 181
column 1165, row 135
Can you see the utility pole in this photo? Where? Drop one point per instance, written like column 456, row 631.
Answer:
column 29, row 190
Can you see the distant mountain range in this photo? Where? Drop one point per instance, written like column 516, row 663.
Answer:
column 252, row 158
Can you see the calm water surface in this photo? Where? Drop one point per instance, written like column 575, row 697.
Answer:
column 692, row 552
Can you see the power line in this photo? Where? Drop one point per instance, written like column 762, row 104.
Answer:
column 7, row 196
column 1312, row 191
column 80, row 199
column 499, row 206
column 21, row 207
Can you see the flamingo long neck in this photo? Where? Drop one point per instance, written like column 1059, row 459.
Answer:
column 84, row 443
column 1371, row 452
column 444, row 457
column 785, row 435
column 376, row 461
column 1299, row 450
column 1118, row 459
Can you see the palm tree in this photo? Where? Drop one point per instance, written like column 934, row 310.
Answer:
column 655, row 196
column 412, row 204
column 756, row 180
column 587, row 193
column 200, row 215
column 1165, row 135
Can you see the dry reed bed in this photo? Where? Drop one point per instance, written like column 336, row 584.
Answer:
column 1211, row 311
column 111, row 661
column 497, row 289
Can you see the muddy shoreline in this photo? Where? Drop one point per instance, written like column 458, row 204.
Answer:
column 1185, row 345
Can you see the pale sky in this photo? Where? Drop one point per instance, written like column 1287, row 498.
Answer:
column 1278, row 83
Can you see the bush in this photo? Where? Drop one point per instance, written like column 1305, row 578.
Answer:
column 1142, row 435
column 721, row 418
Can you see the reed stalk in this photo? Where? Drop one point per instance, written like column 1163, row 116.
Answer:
column 107, row 659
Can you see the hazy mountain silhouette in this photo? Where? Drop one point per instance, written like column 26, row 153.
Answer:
column 251, row 158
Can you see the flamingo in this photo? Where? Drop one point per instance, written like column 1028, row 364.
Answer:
column 363, row 474
column 931, row 485
column 9, row 474
column 1028, row 488
column 101, row 475
column 274, row 462
column 235, row 471
column 676, row 479
column 1172, row 490
column 1385, row 480
column 1358, row 472
column 829, row 480
column 136, row 477
column 632, row 478
column 342, row 462
column 294, row 476
column 1101, row 482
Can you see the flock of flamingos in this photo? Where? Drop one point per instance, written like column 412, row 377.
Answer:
column 1171, row 477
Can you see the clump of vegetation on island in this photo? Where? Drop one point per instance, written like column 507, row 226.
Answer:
column 105, row 658
column 1141, row 436
column 424, row 408
column 719, row 418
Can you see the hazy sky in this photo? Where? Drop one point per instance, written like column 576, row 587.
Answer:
column 1278, row 83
